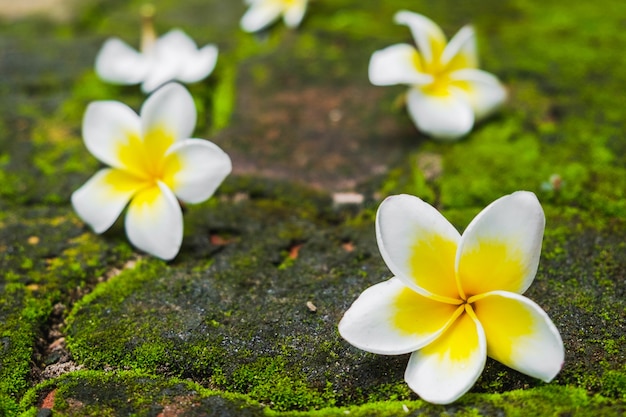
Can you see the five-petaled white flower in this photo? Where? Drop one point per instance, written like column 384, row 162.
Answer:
column 263, row 13
column 152, row 164
column 456, row 299
column 448, row 92
column 172, row 57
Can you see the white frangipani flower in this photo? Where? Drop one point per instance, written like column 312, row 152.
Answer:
column 153, row 164
column 448, row 92
column 454, row 300
column 263, row 13
column 172, row 57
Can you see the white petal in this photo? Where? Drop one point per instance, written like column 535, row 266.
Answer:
column 418, row 245
column 396, row 64
column 170, row 55
column 484, row 91
column 520, row 334
column 391, row 319
column 199, row 65
column 294, row 14
column 161, row 73
column 174, row 43
column 117, row 62
column 154, row 222
column 446, row 369
column 102, row 198
column 427, row 34
column 500, row 248
column 447, row 116
column 170, row 109
column 260, row 15
column 202, row 168
column 106, row 126
column 461, row 51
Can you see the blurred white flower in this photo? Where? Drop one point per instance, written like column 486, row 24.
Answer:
column 263, row 13
column 173, row 56
column 152, row 165
column 448, row 92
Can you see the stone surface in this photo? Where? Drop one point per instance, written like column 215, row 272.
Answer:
column 243, row 322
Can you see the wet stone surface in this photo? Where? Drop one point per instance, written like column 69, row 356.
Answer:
column 243, row 322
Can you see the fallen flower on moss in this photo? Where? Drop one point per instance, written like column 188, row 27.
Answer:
column 153, row 163
column 172, row 57
column 454, row 300
column 448, row 92
column 263, row 13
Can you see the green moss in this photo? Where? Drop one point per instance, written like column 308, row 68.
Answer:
column 85, row 393
column 35, row 285
column 8, row 406
column 123, row 286
column 391, row 392
column 50, row 251
column 614, row 384
column 20, row 318
column 46, row 258
column 271, row 382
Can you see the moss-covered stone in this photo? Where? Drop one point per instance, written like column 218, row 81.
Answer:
column 19, row 320
column 245, row 313
column 47, row 258
column 228, row 327
column 87, row 393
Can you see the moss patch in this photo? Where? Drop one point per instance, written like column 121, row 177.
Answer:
column 87, row 393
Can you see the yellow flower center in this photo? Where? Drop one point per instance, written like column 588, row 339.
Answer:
column 147, row 160
column 440, row 86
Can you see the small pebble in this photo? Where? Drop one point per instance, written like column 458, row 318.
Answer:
column 340, row 199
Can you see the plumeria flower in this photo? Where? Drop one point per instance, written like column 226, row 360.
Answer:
column 263, row 13
column 454, row 300
column 152, row 164
column 448, row 92
column 173, row 56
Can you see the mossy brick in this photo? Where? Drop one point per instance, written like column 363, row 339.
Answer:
column 47, row 258
column 88, row 393
column 242, row 323
column 230, row 312
column 18, row 327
